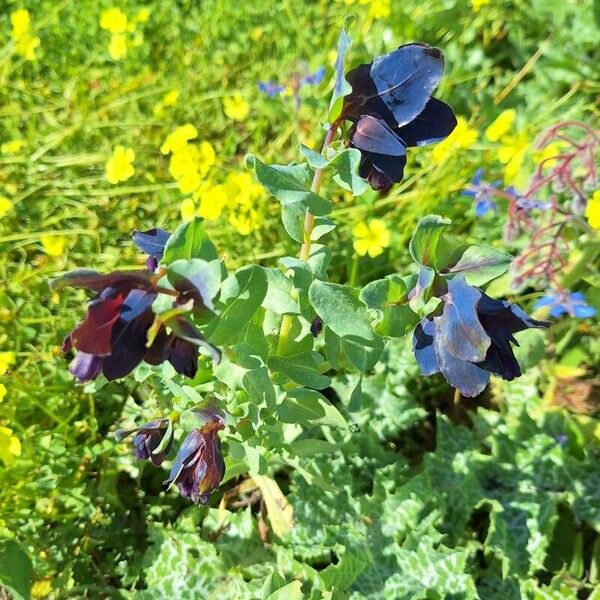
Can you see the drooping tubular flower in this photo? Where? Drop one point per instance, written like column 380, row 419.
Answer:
column 391, row 109
column 471, row 338
column 152, row 441
column 112, row 339
column 199, row 467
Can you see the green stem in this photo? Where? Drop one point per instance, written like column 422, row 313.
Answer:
column 354, row 269
column 309, row 225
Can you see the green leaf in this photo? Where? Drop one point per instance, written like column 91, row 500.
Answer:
column 309, row 407
column 16, row 570
column 279, row 294
column 189, row 240
column 425, row 238
column 341, row 87
column 291, row 591
column 481, row 264
column 289, row 184
column 302, row 368
column 389, row 297
column 196, row 275
column 241, row 295
column 345, row 165
column 341, row 310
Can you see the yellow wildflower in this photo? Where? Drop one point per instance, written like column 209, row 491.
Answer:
column 379, row 9
column 213, row 200
column 25, row 41
column 547, row 154
column 117, row 49
column 592, row 210
column 371, row 237
column 189, row 182
column 2, row 391
column 183, row 161
column 142, row 15
column 187, row 209
column 256, row 33
column 26, row 46
column 512, row 153
column 7, row 359
column 119, row 166
column 463, row 136
column 206, row 157
column 170, row 98
column 501, row 125
column 12, row 146
column 41, row 589
column 53, row 245
column 179, row 138
column 20, row 22
column 113, row 20
column 245, row 221
column 10, row 446
column 477, row 4
column 235, row 107
column 5, row 206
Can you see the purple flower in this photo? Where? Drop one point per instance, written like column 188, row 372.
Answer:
column 151, row 242
column 152, row 441
column 271, row 88
column 112, row 339
column 391, row 109
column 572, row 303
column 315, row 79
column 470, row 338
column 482, row 194
column 199, row 466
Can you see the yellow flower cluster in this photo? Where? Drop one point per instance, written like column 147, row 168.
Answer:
column 119, row 166
column 463, row 137
column 513, row 146
column 7, row 359
column 12, row 146
column 371, row 238
column 592, row 210
column 189, row 163
column 237, row 196
column 6, row 206
column 25, row 42
column 115, row 21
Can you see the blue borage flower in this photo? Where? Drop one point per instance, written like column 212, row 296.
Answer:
column 199, row 466
column 112, row 339
column 152, row 441
column 562, row 303
column 481, row 193
column 296, row 82
column 391, row 109
column 470, row 338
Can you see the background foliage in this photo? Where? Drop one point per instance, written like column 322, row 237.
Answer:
column 495, row 498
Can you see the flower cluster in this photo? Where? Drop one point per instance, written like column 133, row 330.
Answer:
column 189, row 163
column 293, row 85
column 238, row 196
column 563, row 302
column 469, row 337
column 116, row 22
column 391, row 109
column 121, row 328
column 198, row 467
column 25, row 41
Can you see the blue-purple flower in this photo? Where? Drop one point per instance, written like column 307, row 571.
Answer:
column 152, row 441
column 562, row 303
column 151, row 242
column 482, row 194
column 199, row 466
column 470, row 338
column 296, row 82
column 391, row 109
